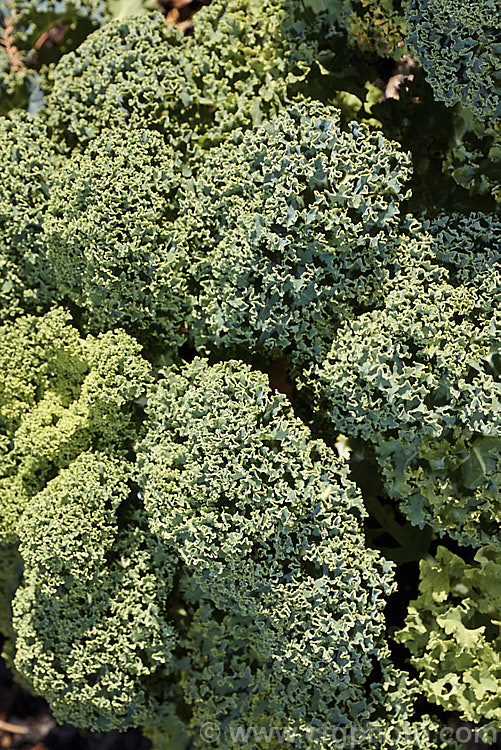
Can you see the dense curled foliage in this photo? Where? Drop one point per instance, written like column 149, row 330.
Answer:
column 108, row 229
column 270, row 539
column 138, row 72
column 264, row 588
column 28, row 159
column 457, row 42
column 250, row 55
column 60, row 395
column 452, row 631
column 288, row 229
column 246, row 58
column 393, row 726
column 418, row 378
column 131, row 73
column 95, row 581
column 177, row 547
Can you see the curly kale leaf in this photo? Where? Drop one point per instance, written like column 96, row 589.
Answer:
column 418, row 378
column 287, row 230
column 458, row 44
column 286, row 604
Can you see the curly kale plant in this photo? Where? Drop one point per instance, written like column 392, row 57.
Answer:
column 133, row 72
column 108, row 230
column 179, row 544
column 281, row 593
column 60, row 395
column 288, row 229
column 458, row 44
column 418, row 378
column 280, row 235
column 237, row 586
column 453, row 633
